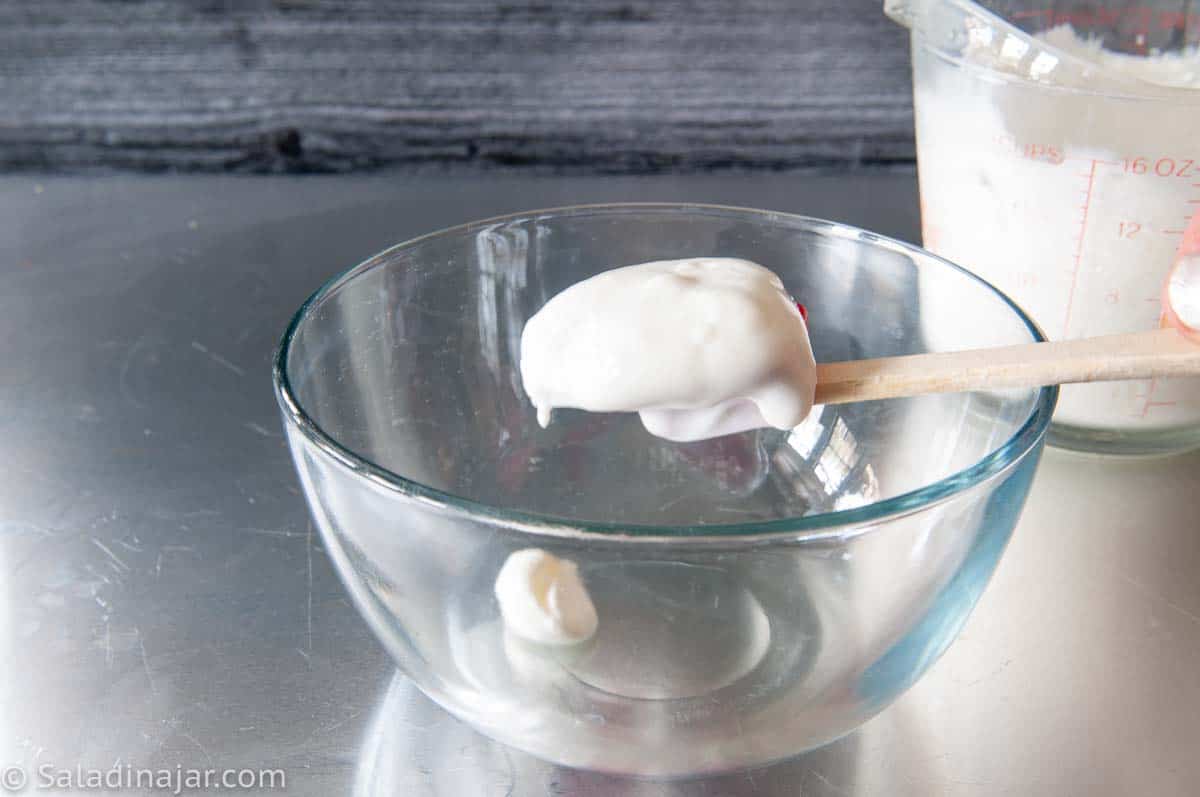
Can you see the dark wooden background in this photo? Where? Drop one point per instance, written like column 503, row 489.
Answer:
column 559, row 85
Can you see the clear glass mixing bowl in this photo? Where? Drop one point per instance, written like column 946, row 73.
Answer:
column 759, row 594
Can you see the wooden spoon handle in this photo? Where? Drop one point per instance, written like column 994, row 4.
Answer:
column 1134, row 355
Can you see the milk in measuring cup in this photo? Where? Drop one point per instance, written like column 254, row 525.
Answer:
column 1072, row 202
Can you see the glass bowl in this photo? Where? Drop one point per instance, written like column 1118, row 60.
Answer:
column 759, row 594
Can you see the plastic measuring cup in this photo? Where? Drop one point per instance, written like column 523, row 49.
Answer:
column 1066, row 184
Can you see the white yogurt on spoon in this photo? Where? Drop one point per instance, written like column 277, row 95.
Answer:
column 700, row 347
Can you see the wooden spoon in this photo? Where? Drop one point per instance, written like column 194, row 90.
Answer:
column 1134, row 355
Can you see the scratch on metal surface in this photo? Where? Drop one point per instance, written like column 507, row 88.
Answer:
column 258, row 428
column 123, row 374
column 817, row 774
column 96, row 574
column 218, row 359
column 199, row 746
column 17, row 529
column 308, row 553
column 272, row 532
column 146, row 661
column 730, row 510
column 118, row 561
column 165, row 549
column 305, row 655
column 1156, row 596
column 174, row 514
column 671, row 503
column 37, row 753
column 108, row 651
column 334, row 726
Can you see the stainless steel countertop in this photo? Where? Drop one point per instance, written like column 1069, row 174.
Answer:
column 164, row 602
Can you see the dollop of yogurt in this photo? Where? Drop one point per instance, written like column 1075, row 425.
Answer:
column 543, row 599
column 699, row 347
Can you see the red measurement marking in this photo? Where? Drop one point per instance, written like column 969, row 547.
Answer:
column 1078, row 256
column 1149, row 399
column 1172, row 232
column 1161, row 167
column 1044, row 153
column 1149, row 395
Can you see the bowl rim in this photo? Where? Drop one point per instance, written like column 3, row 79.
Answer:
column 836, row 524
